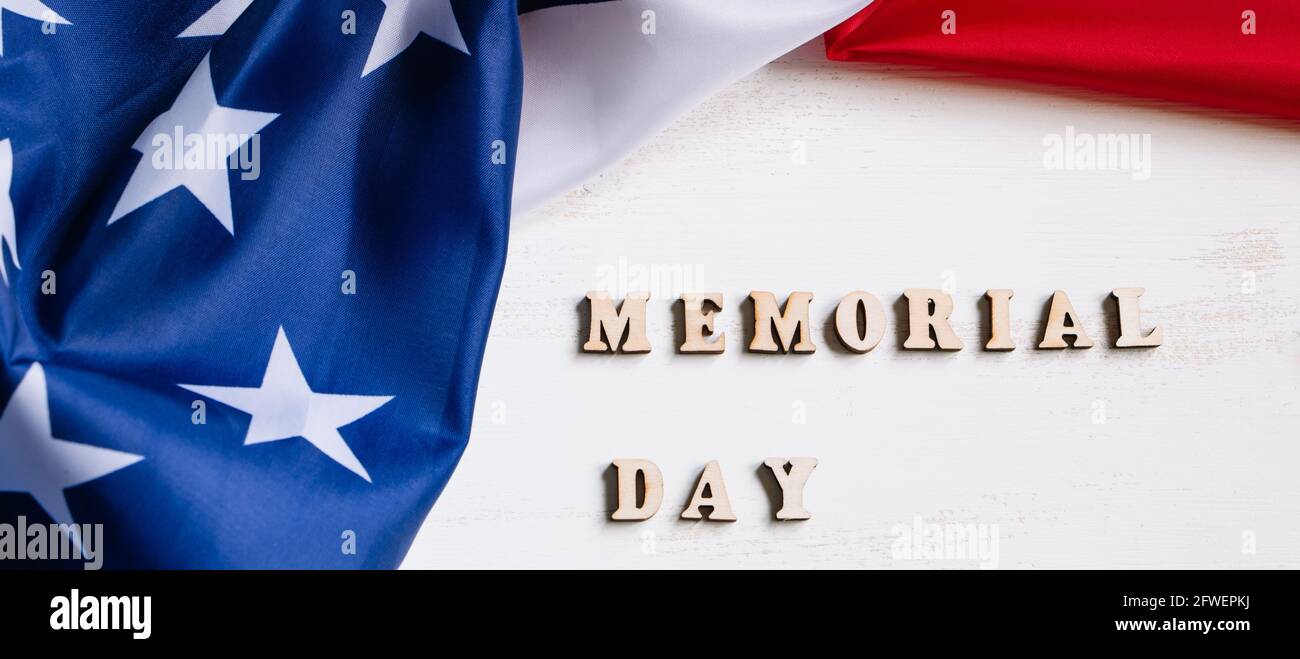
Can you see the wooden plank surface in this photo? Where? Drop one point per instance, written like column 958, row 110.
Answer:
column 827, row 177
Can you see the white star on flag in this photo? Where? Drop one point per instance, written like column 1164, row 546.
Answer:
column 284, row 406
column 195, row 113
column 32, row 460
column 8, row 223
column 34, row 9
column 404, row 20
column 215, row 21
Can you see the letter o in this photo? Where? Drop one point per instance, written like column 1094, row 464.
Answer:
column 846, row 321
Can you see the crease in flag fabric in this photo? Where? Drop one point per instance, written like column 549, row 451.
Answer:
column 600, row 79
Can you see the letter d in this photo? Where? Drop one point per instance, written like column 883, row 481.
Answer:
column 627, row 490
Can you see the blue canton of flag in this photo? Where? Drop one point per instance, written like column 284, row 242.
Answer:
column 250, row 251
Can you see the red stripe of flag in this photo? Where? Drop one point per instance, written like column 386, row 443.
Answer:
column 1194, row 51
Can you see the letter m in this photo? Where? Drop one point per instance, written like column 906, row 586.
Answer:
column 629, row 320
column 787, row 326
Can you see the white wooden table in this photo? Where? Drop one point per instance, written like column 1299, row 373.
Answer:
column 827, row 177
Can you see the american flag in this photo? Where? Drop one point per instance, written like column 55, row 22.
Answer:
column 252, row 256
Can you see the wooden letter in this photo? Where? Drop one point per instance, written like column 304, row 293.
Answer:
column 794, row 320
column 846, row 321
column 630, row 319
column 698, row 321
column 1000, row 319
column 1130, row 321
column 921, row 321
column 710, row 479
column 792, row 485
column 1057, row 328
column 654, row 489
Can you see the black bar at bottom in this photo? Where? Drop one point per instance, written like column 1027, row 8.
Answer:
column 1121, row 606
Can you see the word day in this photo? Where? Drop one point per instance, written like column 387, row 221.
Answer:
column 859, row 322
column 641, row 490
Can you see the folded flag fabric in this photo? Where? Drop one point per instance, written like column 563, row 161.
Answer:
column 600, row 78
column 251, row 251
column 1241, row 56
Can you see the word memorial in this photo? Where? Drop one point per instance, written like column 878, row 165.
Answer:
column 859, row 323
